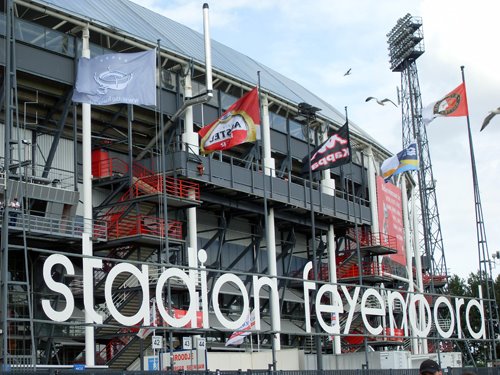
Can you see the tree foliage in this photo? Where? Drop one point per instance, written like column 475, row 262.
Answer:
column 479, row 351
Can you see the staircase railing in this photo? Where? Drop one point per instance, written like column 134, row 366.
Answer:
column 367, row 269
column 143, row 224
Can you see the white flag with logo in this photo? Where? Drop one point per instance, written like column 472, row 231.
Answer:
column 238, row 336
column 128, row 78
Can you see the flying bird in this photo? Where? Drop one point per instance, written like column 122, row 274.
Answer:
column 488, row 118
column 348, row 72
column 381, row 102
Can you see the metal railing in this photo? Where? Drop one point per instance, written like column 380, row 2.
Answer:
column 64, row 370
column 36, row 222
column 33, row 173
column 235, row 162
column 132, row 224
column 367, row 269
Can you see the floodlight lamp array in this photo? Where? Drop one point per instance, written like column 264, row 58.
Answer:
column 307, row 110
column 405, row 41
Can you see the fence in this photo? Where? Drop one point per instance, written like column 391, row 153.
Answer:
column 446, row 371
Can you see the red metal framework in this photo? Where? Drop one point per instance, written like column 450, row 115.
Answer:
column 367, row 239
column 142, row 224
column 398, row 337
column 367, row 269
column 146, row 181
column 103, row 166
column 158, row 184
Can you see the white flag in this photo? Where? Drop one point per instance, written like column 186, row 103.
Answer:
column 238, row 336
column 117, row 78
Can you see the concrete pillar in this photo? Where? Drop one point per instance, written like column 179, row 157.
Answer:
column 408, row 249
column 190, row 138
column 87, row 246
column 269, row 169
column 372, row 190
column 269, row 161
column 191, row 144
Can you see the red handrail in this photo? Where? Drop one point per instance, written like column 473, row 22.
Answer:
column 368, row 239
column 142, row 224
column 368, row 269
column 110, row 166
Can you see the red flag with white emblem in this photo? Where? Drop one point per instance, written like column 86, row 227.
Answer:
column 239, row 124
column 453, row 104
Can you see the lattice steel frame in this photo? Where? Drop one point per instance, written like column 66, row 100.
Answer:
column 413, row 128
column 405, row 46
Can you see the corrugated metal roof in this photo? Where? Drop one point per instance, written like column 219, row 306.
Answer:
column 132, row 19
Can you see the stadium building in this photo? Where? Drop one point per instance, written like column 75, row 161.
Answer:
column 132, row 246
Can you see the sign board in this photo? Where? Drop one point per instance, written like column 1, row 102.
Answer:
column 201, row 343
column 157, row 342
column 390, row 218
column 151, row 363
column 79, row 367
column 187, row 360
column 187, row 343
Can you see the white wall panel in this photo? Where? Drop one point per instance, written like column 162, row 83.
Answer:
column 63, row 159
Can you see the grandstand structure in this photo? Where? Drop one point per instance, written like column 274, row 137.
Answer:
column 158, row 202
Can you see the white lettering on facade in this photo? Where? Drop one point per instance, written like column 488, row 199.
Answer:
column 415, row 308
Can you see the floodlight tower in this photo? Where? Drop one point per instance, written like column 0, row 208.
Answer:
column 405, row 46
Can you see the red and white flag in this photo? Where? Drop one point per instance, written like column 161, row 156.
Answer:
column 239, row 124
column 238, row 336
column 453, row 104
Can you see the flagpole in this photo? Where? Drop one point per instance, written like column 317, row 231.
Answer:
column 270, row 245
column 310, row 113
column 358, row 250
column 484, row 258
column 164, row 204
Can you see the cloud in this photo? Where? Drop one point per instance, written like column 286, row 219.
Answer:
column 315, row 42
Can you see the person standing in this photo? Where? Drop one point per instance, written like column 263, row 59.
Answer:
column 15, row 207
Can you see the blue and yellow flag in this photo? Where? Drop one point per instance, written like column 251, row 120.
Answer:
column 406, row 160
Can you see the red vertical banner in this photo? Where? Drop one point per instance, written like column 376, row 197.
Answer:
column 390, row 218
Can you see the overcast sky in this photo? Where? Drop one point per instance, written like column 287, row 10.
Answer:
column 315, row 42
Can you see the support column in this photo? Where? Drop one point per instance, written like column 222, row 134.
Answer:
column 332, row 269
column 269, row 170
column 191, row 144
column 409, row 251
column 422, row 348
column 269, row 162
column 273, row 273
column 372, row 190
column 87, row 247
column 190, row 141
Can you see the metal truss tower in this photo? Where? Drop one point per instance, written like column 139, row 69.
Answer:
column 405, row 46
